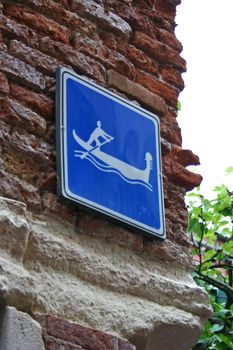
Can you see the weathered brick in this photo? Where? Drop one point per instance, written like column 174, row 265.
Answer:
column 21, row 72
column 86, row 338
column 106, row 20
column 138, row 17
column 170, row 129
column 167, row 8
column 19, row 31
column 111, row 58
column 20, row 165
column 184, row 156
column 65, row 3
column 167, row 92
column 52, row 205
column 48, row 180
column 178, row 174
column 52, row 343
column 165, row 146
column 35, row 58
column 161, row 52
column 50, row 134
column 4, row 108
column 3, row 47
column 27, row 145
column 151, row 100
column 40, row 103
column 43, row 25
column 4, row 86
column 14, row 188
column 77, row 60
column 61, row 15
column 172, row 76
column 170, row 39
column 136, row 56
column 25, row 118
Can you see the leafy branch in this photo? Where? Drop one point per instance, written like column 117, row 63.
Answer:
column 211, row 233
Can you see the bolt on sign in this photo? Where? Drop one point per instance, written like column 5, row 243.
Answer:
column 108, row 154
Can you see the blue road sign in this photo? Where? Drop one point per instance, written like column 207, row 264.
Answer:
column 108, row 154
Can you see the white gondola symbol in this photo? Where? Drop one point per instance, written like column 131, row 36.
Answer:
column 109, row 163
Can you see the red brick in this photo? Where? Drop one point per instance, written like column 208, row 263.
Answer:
column 25, row 118
column 19, row 71
column 167, row 92
column 3, row 47
column 138, row 18
column 136, row 56
column 86, row 338
column 170, row 129
column 20, row 165
column 161, row 52
column 165, row 146
column 50, row 134
column 14, row 188
column 35, row 58
column 4, row 108
column 170, row 39
column 178, row 174
column 52, row 343
column 65, row 3
column 48, row 181
column 19, row 31
column 64, row 17
column 185, row 157
column 77, row 60
column 111, row 58
column 167, row 7
column 105, row 19
column 172, row 77
column 40, row 103
column 137, row 91
column 27, row 145
column 43, row 25
column 4, row 86
column 141, row 60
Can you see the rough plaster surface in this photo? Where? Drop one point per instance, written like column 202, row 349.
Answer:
column 18, row 331
column 96, row 283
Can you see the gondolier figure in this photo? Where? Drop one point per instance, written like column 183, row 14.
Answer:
column 97, row 135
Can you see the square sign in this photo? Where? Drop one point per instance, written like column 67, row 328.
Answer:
column 108, row 154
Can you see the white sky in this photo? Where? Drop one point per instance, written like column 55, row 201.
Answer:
column 205, row 28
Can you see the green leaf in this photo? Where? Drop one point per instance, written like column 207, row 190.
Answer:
column 179, row 106
column 229, row 170
column 216, row 328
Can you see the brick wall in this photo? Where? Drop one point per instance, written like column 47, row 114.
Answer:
column 127, row 46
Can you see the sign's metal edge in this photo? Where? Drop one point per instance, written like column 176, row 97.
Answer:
column 60, row 158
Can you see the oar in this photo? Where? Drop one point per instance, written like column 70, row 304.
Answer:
column 91, row 150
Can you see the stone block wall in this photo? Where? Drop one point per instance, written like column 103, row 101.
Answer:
column 56, row 258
